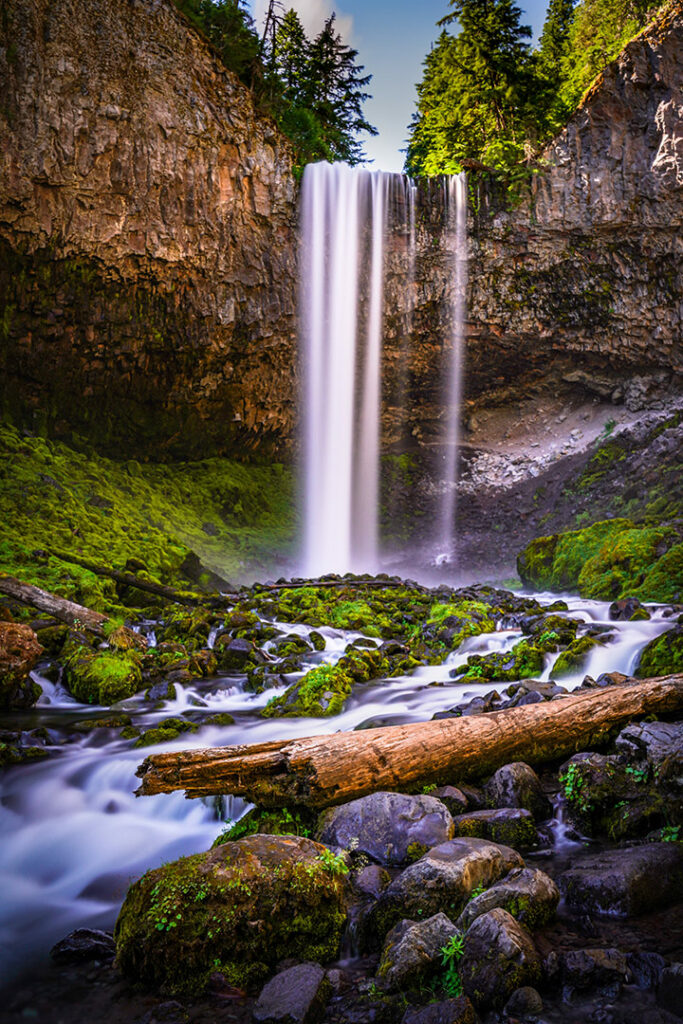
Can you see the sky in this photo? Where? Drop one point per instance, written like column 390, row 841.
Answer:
column 392, row 38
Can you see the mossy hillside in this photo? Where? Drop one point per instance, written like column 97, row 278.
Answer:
column 610, row 559
column 235, row 517
column 237, row 910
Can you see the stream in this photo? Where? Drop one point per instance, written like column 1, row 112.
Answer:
column 74, row 835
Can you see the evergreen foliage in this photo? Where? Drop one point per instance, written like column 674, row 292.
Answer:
column 314, row 89
column 487, row 98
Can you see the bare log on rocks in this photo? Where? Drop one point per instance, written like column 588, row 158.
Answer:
column 66, row 611
column 319, row 771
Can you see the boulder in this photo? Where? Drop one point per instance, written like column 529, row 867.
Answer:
column 625, row 882
column 453, row 797
column 658, row 744
column 450, row 1011
column 19, row 653
column 297, row 995
column 412, row 951
column 518, row 785
column 511, row 826
column 529, row 895
column 237, row 910
column 233, row 654
column 593, row 968
column 441, row 881
column 670, row 988
column 82, row 945
column 524, row 1002
column 392, row 828
column 499, row 957
column 370, row 881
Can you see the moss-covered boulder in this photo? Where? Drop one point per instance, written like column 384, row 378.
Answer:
column 663, row 655
column 237, row 910
column 19, row 652
column 323, row 690
column 524, row 661
column 574, row 658
column 101, row 676
column 611, row 559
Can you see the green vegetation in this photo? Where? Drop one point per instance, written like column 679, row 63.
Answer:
column 100, row 677
column 608, row 560
column 487, row 99
column 314, row 88
column 663, row 655
column 281, row 822
column 524, row 661
column 451, row 954
column 54, row 499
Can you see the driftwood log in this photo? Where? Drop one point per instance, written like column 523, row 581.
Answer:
column 130, row 580
column 319, row 771
column 66, row 611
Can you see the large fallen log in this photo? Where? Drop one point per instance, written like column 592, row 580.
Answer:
column 319, row 771
column 128, row 579
column 66, row 611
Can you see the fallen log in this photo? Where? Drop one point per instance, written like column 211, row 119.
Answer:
column 130, row 580
column 66, row 611
column 319, row 771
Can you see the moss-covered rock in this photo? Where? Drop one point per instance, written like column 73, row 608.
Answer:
column 611, row 559
column 663, row 655
column 168, row 729
column 19, row 652
column 280, row 822
column 524, row 661
column 238, row 910
column 101, row 677
column 574, row 658
column 323, row 690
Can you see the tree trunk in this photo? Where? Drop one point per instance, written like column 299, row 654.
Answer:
column 129, row 580
column 319, row 771
column 59, row 607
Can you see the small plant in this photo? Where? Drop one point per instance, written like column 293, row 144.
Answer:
column 429, row 788
column 334, row 862
column 672, row 834
column 608, row 427
column 477, row 892
column 451, row 954
column 572, row 782
column 638, row 774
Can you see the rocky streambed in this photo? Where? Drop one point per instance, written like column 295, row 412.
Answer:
column 521, row 897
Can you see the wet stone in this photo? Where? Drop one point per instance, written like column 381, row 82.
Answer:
column 518, row 785
column 593, row 968
column 670, row 988
column 453, row 798
column 511, row 826
column 450, row 1011
column 624, row 882
column 529, row 895
column 297, row 995
column 499, row 957
column 82, row 945
column 412, row 951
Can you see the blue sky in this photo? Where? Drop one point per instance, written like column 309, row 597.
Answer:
column 392, row 38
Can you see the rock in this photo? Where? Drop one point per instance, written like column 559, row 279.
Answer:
column 646, row 969
column 662, row 655
column 453, row 798
column 450, row 1011
column 371, row 881
column 441, row 881
column 659, row 743
column 625, row 609
column 499, row 957
column 238, row 910
column 392, row 828
column 529, row 895
column 593, row 968
column 412, row 951
column 625, row 882
column 233, row 655
column 511, row 826
column 518, row 785
column 524, row 1002
column 670, row 988
column 82, row 945
column 295, row 996
column 19, row 653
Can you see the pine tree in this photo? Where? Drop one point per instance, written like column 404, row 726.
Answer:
column 291, row 55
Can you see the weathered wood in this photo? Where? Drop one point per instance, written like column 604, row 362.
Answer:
column 319, row 771
column 66, row 611
column 130, row 580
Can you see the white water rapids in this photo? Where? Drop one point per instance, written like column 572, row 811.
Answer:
column 74, row 835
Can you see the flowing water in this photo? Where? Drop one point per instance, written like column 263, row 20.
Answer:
column 74, row 835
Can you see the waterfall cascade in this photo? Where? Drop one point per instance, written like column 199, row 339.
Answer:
column 344, row 220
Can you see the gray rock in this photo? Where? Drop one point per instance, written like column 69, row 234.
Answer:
column 295, row 996
column 518, row 785
column 412, row 951
column 660, row 743
column 499, row 957
column 625, row 882
column 454, row 798
column 524, row 1002
column 235, row 654
column 450, row 1011
column 392, row 828
column 529, row 895
column 511, row 826
column 371, row 881
column 670, row 988
column 593, row 968
column 646, row 969
column 442, row 880
column 82, row 945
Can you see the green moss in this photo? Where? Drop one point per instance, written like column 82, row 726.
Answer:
column 610, row 559
column 168, row 729
column 524, row 661
column 101, row 677
column 56, row 499
column 663, row 655
column 321, row 692
column 281, row 822
column 238, row 909
column 574, row 658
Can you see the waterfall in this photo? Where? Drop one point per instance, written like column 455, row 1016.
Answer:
column 344, row 212
column 456, row 215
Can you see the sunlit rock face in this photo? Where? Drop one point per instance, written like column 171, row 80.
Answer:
column 147, row 234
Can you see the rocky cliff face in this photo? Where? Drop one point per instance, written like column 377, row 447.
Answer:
column 577, row 290
column 147, row 235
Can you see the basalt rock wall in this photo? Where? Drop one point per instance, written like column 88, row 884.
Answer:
column 147, row 235
column 580, row 287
